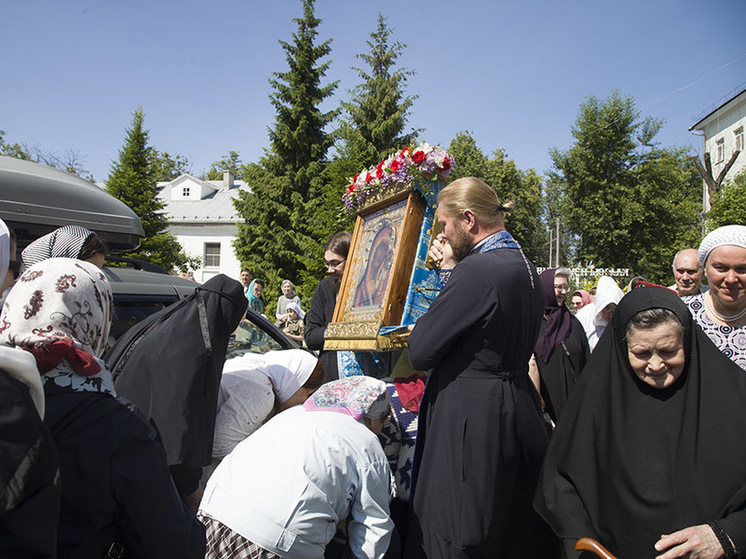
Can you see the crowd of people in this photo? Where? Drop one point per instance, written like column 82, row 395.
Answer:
column 525, row 415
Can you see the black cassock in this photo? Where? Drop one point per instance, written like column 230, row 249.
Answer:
column 481, row 438
column 561, row 372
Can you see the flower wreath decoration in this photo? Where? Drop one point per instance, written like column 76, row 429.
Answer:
column 408, row 168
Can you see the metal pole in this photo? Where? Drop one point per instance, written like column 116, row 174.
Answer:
column 551, row 246
column 557, row 252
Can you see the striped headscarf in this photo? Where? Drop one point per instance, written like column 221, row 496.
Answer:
column 64, row 242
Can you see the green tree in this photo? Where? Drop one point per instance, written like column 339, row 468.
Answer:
column 280, row 236
column 377, row 113
column 231, row 162
column 625, row 201
column 728, row 205
column 373, row 123
column 166, row 167
column 524, row 188
column 132, row 179
column 14, row 150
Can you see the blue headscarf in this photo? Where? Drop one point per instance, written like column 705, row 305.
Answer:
column 255, row 303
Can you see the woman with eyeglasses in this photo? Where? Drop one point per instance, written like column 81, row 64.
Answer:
column 324, row 300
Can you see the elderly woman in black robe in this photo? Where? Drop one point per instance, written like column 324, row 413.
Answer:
column 649, row 456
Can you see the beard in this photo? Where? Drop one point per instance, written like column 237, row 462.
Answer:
column 460, row 243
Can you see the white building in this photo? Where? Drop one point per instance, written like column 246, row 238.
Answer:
column 722, row 134
column 203, row 219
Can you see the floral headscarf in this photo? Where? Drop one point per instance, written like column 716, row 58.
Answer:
column 65, row 242
column 357, row 396
column 60, row 310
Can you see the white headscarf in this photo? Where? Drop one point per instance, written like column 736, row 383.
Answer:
column 607, row 292
column 727, row 235
column 289, row 370
column 296, row 307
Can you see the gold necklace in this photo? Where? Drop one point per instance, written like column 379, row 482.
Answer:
column 723, row 318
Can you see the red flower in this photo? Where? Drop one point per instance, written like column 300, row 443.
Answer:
column 379, row 170
column 418, row 156
column 395, row 165
column 446, row 164
column 403, row 152
column 350, row 189
column 368, row 178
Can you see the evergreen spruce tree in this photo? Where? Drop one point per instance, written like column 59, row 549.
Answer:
column 373, row 123
column 280, row 235
column 132, row 179
column 378, row 112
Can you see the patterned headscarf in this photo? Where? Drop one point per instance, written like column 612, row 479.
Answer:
column 727, row 235
column 357, row 396
column 64, row 242
column 60, row 310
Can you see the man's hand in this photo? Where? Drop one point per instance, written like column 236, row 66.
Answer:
column 695, row 542
column 442, row 253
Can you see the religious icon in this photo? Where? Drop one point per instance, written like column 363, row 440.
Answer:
column 378, row 271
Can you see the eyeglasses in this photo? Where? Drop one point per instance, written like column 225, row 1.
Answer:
column 334, row 263
column 563, row 288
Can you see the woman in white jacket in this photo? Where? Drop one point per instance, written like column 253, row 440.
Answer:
column 283, row 490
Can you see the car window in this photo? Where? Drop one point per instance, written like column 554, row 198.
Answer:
column 250, row 338
column 128, row 313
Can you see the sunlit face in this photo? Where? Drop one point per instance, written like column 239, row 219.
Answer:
column 576, row 303
column 454, row 232
column 292, row 315
column 656, row 355
column 561, row 288
column 245, row 278
column 726, row 272
column 287, row 288
column 258, row 288
column 688, row 273
column 335, row 264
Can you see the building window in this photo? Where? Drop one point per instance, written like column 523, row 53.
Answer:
column 739, row 138
column 185, row 192
column 720, row 151
column 212, row 255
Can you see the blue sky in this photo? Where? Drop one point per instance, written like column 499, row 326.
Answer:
column 513, row 73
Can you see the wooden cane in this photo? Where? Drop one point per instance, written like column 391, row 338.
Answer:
column 589, row 544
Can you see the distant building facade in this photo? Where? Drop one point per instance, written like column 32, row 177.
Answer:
column 722, row 132
column 203, row 219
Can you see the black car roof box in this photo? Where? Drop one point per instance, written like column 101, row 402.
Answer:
column 36, row 199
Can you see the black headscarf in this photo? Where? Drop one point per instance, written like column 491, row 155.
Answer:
column 170, row 365
column 628, row 462
column 558, row 319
